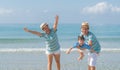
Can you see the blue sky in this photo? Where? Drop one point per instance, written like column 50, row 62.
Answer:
column 69, row 11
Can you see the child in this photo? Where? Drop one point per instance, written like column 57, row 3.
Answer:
column 52, row 44
column 81, row 46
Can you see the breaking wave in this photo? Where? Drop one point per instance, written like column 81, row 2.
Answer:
column 17, row 50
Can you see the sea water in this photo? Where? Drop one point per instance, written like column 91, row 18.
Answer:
column 24, row 51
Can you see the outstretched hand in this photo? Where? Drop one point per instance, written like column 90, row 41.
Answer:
column 26, row 30
column 67, row 52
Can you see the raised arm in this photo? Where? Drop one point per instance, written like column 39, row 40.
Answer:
column 33, row 32
column 56, row 22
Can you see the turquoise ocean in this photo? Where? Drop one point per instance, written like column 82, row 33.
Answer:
column 24, row 51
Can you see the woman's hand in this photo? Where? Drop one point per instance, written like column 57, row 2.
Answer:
column 26, row 30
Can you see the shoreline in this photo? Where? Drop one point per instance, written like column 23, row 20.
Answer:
column 27, row 50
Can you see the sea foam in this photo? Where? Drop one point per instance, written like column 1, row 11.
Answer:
column 14, row 50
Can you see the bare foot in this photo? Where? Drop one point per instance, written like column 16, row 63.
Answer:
column 79, row 58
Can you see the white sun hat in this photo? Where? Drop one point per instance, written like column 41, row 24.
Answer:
column 43, row 25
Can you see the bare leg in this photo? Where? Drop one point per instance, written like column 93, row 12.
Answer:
column 57, row 60
column 50, row 58
column 81, row 56
column 88, row 67
column 92, row 67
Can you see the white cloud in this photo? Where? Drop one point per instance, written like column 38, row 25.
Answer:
column 115, row 9
column 4, row 11
column 101, row 7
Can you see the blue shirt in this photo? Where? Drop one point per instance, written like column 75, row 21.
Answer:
column 95, row 44
column 83, row 46
column 51, row 41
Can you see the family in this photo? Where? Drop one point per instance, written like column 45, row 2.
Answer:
column 86, row 40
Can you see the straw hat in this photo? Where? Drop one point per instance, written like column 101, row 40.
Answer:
column 85, row 25
column 43, row 25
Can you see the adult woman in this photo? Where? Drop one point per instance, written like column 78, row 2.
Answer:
column 92, row 41
column 52, row 44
